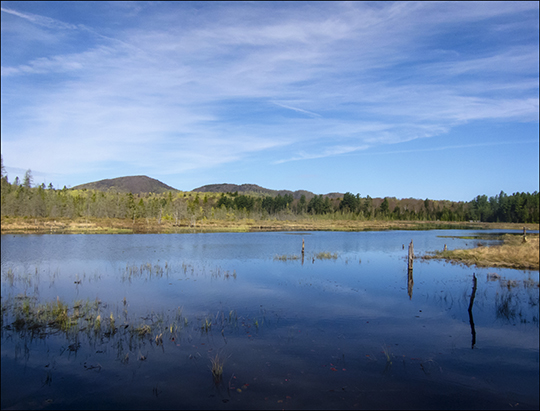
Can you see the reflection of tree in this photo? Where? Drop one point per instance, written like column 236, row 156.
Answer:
column 505, row 308
column 471, row 320
column 410, row 283
column 510, row 302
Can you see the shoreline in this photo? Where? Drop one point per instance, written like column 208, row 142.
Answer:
column 27, row 225
column 515, row 252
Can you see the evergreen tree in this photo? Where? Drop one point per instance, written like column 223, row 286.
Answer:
column 28, row 179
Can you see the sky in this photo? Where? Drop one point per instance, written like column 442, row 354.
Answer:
column 425, row 100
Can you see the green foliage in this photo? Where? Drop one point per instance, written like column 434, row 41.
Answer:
column 244, row 202
column 517, row 208
column 28, row 179
column 26, row 201
column 319, row 205
column 384, row 207
column 350, row 202
column 225, row 201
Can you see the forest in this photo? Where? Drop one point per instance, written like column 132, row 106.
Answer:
column 23, row 199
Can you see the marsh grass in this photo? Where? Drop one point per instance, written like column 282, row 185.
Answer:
column 89, row 225
column 52, row 316
column 387, row 354
column 216, row 366
column 206, row 325
column 325, row 255
column 512, row 253
column 142, row 330
column 285, row 257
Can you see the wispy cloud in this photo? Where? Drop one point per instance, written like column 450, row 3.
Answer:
column 41, row 20
column 329, row 152
column 309, row 113
column 454, row 147
column 185, row 87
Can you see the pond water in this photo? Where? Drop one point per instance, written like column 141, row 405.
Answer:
column 345, row 327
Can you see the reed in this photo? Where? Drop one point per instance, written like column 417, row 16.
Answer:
column 387, row 354
column 206, row 325
column 217, row 368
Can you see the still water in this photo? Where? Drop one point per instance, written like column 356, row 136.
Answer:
column 351, row 328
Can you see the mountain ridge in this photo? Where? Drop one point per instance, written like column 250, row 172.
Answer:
column 134, row 184
column 143, row 184
column 254, row 188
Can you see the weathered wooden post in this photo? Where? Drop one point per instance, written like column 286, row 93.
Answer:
column 302, row 251
column 524, row 234
column 411, row 256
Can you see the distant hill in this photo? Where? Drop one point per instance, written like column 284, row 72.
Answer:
column 134, row 184
column 255, row 189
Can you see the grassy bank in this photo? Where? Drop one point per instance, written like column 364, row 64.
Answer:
column 24, row 225
column 512, row 253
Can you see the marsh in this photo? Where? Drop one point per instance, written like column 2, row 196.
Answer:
column 241, row 320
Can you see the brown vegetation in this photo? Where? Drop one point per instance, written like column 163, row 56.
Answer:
column 93, row 225
column 513, row 253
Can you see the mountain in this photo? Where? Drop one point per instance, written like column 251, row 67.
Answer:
column 255, row 189
column 135, row 184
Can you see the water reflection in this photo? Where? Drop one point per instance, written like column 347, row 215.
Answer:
column 410, row 283
column 471, row 303
column 165, row 325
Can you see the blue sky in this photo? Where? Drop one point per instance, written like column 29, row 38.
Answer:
column 424, row 100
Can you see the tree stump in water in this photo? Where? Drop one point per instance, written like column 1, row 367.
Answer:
column 411, row 256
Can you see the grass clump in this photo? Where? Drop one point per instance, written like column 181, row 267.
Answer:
column 48, row 317
column 514, row 252
column 387, row 354
column 325, row 255
column 206, row 325
column 143, row 330
column 217, row 368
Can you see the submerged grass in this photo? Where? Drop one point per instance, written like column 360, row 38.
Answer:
column 52, row 316
column 216, row 368
column 514, row 252
column 325, row 255
column 285, row 257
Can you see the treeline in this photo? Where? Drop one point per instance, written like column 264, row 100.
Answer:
column 24, row 199
column 517, row 208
